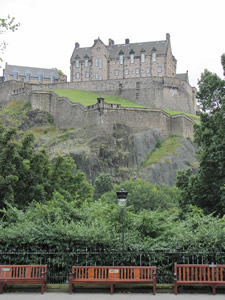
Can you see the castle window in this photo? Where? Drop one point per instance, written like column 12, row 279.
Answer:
column 159, row 69
column 86, row 74
column 77, row 64
column 96, row 62
column 100, row 77
column 77, row 75
column 126, row 71
column 153, row 56
column 5, row 76
column 27, row 76
column 147, row 70
column 142, row 57
column 137, row 71
column 40, row 78
column 100, row 63
column 132, row 58
column 15, row 75
column 121, row 59
column 52, row 79
column 116, row 72
column 96, row 76
column 86, row 63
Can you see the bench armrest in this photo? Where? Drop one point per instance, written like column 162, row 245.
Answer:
column 44, row 274
column 175, row 276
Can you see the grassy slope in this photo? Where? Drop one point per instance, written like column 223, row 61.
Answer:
column 15, row 111
column 88, row 98
column 169, row 146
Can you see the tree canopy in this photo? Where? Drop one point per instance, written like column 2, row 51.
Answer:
column 27, row 175
column 206, row 189
column 7, row 25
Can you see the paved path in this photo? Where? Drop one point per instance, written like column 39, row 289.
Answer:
column 115, row 296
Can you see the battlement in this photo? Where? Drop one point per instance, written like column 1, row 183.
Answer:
column 158, row 93
column 67, row 114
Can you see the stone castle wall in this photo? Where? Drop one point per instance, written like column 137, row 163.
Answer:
column 169, row 93
column 156, row 92
column 74, row 115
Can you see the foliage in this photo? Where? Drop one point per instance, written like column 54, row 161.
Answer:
column 61, row 73
column 103, row 184
column 26, row 175
column 143, row 195
column 7, row 25
column 206, row 188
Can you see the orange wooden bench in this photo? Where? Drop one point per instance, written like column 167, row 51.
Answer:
column 112, row 275
column 23, row 274
column 189, row 274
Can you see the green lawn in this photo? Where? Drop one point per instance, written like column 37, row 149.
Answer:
column 172, row 113
column 88, row 98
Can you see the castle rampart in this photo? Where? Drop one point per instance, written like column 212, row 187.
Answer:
column 157, row 92
column 74, row 115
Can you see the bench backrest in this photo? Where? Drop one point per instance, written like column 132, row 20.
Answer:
column 107, row 273
column 192, row 272
column 22, row 271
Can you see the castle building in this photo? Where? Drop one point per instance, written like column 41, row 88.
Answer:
column 32, row 75
column 122, row 61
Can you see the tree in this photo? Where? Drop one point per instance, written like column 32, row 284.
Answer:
column 206, row 189
column 27, row 175
column 7, row 25
column 103, row 184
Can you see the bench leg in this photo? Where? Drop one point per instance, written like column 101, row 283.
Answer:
column 111, row 289
column 214, row 289
column 175, row 288
column 154, row 288
column 70, row 287
column 1, row 288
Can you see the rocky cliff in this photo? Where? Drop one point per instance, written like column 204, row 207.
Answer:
column 113, row 149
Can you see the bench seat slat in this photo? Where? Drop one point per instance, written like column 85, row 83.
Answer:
column 23, row 274
column 113, row 275
column 211, row 275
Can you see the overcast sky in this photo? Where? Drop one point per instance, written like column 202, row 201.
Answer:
column 50, row 28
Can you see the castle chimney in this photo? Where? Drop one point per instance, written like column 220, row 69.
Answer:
column 77, row 45
column 111, row 42
column 167, row 37
column 127, row 41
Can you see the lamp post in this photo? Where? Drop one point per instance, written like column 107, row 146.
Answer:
column 122, row 201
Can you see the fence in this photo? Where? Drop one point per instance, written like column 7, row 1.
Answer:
column 60, row 262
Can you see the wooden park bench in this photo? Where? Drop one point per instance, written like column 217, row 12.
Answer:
column 189, row 274
column 23, row 274
column 112, row 276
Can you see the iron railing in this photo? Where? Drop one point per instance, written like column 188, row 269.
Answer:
column 60, row 262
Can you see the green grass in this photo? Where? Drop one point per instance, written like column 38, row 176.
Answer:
column 15, row 111
column 169, row 146
column 16, row 108
column 173, row 113
column 89, row 98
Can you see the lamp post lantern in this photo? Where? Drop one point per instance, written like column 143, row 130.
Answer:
column 122, row 201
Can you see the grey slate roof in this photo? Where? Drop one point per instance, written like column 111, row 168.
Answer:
column 160, row 47
column 183, row 76
column 47, row 73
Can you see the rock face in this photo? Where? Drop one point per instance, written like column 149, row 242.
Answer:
column 120, row 153
column 113, row 149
